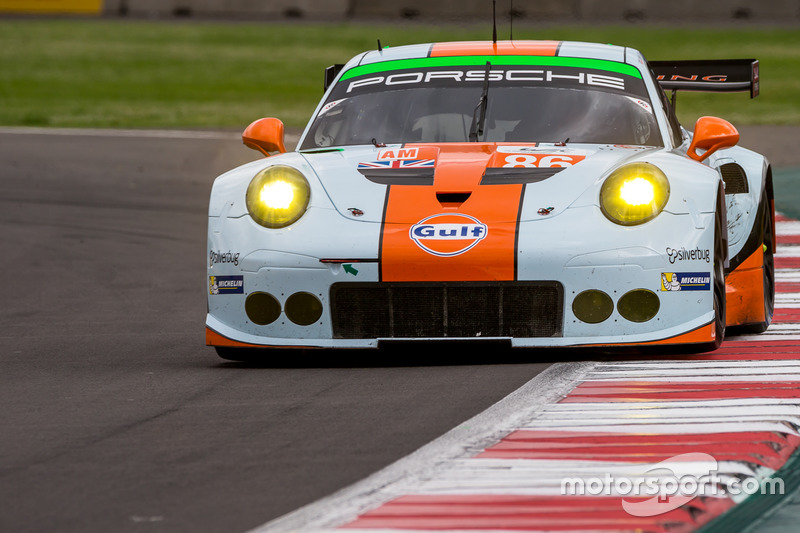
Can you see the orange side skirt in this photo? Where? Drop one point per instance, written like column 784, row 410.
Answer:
column 744, row 289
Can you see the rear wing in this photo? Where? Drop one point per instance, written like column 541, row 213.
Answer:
column 715, row 75
column 330, row 74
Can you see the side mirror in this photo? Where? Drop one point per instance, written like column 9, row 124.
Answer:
column 265, row 135
column 712, row 134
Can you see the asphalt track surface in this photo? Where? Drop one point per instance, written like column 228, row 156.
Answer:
column 116, row 416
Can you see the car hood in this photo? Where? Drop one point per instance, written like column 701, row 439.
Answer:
column 456, row 177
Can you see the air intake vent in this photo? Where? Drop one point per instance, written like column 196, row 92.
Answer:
column 438, row 310
column 734, row 177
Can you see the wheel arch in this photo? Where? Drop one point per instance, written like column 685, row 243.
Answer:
column 755, row 235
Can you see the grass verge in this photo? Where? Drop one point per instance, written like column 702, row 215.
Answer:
column 156, row 74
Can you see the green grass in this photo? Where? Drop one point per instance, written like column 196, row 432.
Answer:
column 150, row 74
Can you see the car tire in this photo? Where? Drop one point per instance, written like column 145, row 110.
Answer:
column 720, row 302
column 768, row 268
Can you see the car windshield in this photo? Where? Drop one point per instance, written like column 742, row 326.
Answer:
column 524, row 103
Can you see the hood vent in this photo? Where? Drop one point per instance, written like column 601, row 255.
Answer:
column 502, row 175
column 452, row 199
column 399, row 176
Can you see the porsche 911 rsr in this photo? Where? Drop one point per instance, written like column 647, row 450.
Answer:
column 538, row 193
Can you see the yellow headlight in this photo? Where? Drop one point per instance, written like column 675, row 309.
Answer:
column 277, row 196
column 634, row 194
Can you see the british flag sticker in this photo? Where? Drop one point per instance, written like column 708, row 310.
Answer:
column 398, row 163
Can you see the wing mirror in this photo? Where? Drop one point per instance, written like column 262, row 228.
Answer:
column 712, row 134
column 265, row 135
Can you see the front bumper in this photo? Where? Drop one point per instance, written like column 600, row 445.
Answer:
column 556, row 253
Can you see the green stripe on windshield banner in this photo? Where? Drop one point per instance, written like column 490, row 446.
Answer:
column 478, row 61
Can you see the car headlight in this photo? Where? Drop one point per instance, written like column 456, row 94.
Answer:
column 634, row 194
column 277, row 196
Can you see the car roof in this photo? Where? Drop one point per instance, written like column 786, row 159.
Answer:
column 572, row 49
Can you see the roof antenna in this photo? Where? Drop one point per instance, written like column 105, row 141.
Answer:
column 494, row 21
column 511, row 21
column 380, row 48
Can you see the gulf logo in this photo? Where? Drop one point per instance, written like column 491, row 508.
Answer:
column 448, row 235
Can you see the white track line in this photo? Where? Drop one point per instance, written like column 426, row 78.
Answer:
column 291, row 138
column 155, row 134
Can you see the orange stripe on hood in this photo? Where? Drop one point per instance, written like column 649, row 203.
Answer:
column 426, row 237
column 511, row 48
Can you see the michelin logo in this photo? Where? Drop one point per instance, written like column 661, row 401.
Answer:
column 685, row 281
column 225, row 285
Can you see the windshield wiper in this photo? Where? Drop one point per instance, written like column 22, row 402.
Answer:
column 479, row 115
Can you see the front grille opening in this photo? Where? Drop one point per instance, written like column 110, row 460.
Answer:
column 447, row 310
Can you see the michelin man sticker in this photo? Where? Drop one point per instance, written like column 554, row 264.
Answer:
column 669, row 282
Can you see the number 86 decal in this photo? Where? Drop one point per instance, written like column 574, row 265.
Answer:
column 541, row 161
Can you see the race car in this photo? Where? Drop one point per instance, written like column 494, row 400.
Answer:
column 534, row 193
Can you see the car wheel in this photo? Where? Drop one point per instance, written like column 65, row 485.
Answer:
column 768, row 269
column 720, row 305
